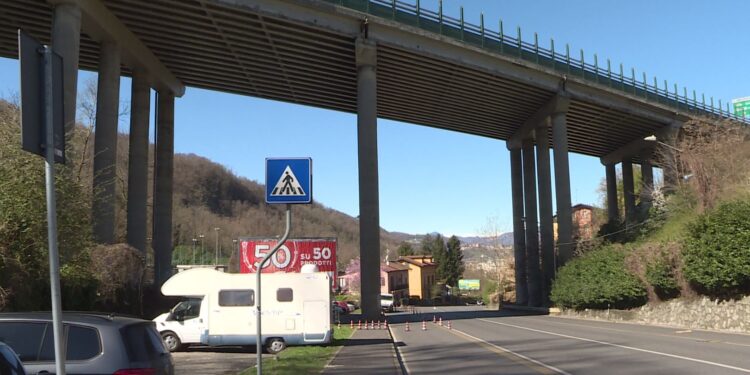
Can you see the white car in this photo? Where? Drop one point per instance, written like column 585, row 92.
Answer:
column 386, row 302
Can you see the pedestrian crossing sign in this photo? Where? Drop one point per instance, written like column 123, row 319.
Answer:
column 289, row 180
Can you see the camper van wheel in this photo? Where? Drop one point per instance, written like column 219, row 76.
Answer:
column 275, row 345
column 171, row 341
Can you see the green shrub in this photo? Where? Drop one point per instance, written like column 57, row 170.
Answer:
column 661, row 276
column 598, row 279
column 717, row 250
column 78, row 286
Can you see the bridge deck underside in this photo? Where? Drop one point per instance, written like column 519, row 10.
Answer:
column 219, row 47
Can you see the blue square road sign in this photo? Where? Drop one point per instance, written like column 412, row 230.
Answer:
column 289, row 180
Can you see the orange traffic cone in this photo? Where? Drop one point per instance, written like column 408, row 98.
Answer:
column 440, row 321
column 434, row 319
column 449, row 324
column 424, row 325
column 380, row 325
column 351, row 324
column 407, row 327
column 359, row 324
column 385, row 324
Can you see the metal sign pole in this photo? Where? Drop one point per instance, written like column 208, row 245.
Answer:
column 266, row 259
column 54, row 265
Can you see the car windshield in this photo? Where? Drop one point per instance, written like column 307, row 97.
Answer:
column 386, row 298
column 189, row 308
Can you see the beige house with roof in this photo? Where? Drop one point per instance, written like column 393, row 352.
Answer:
column 421, row 274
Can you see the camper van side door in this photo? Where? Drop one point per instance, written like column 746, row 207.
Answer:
column 191, row 322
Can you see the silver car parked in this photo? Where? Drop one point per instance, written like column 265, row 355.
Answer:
column 95, row 344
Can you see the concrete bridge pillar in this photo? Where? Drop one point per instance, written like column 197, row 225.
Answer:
column 163, row 180
column 140, row 104
column 613, row 212
column 545, row 210
column 105, row 143
column 66, row 40
column 519, row 239
column 562, row 188
column 369, row 205
column 532, row 225
column 628, row 190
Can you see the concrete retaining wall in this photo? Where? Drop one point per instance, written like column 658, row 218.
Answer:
column 698, row 313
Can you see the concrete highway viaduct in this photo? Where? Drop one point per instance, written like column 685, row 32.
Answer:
column 378, row 59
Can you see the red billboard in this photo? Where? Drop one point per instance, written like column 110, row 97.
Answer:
column 291, row 256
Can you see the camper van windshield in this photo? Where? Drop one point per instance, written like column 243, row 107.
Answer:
column 187, row 309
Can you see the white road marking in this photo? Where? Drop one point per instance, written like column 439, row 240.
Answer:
column 519, row 355
column 689, row 338
column 622, row 346
column 396, row 340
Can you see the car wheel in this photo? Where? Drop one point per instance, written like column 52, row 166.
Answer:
column 275, row 346
column 171, row 341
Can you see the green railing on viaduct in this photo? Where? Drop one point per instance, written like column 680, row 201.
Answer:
column 560, row 61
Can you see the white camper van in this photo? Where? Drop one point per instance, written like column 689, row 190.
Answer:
column 219, row 309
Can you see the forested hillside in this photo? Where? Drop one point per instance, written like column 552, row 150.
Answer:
column 208, row 196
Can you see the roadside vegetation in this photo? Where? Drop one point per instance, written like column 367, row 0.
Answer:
column 694, row 240
column 304, row 359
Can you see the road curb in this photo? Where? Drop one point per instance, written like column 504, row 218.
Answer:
column 397, row 352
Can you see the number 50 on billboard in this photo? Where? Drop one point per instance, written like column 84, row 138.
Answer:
column 291, row 256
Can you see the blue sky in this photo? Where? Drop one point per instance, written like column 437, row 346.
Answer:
column 435, row 180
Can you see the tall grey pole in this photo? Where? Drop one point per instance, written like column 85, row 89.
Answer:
column 216, row 249
column 258, row 340
column 203, row 255
column 194, row 251
column 49, row 169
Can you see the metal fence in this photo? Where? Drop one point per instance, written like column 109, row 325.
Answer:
column 560, row 61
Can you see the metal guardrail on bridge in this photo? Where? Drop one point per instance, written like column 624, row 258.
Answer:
column 515, row 46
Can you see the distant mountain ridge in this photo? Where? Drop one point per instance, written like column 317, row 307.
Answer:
column 505, row 239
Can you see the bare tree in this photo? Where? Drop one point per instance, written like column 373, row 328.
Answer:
column 709, row 159
column 497, row 254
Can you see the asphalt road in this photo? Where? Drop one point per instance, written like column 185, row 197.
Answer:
column 485, row 342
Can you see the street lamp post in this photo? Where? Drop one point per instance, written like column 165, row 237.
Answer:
column 194, row 241
column 201, row 236
column 216, row 249
column 235, row 247
column 652, row 138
